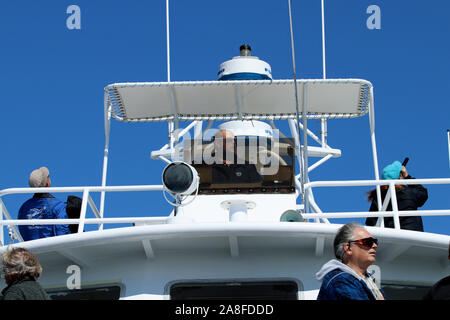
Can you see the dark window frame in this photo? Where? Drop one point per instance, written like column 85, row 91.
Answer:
column 392, row 293
column 90, row 292
column 251, row 289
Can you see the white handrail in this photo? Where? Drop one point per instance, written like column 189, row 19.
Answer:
column 4, row 212
column 99, row 220
column 153, row 220
column 86, row 200
column 365, row 183
column 394, row 205
column 391, row 195
column 376, row 214
column 81, row 189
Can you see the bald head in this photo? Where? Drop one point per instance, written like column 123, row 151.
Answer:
column 224, row 134
column 224, row 141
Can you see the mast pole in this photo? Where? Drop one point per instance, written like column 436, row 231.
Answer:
column 171, row 122
column 168, row 40
column 324, row 70
column 304, row 150
column 323, row 122
column 448, row 140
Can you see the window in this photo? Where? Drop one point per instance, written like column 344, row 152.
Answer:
column 258, row 165
column 97, row 293
column 404, row 292
column 234, row 290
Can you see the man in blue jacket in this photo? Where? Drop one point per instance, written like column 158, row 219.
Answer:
column 42, row 206
column 346, row 277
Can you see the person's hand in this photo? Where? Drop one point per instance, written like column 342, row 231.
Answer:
column 403, row 172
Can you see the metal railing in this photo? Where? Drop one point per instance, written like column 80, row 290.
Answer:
column 390, row 195
column 100, row 220
column 82, row 221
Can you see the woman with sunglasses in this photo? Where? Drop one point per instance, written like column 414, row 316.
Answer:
column 346, row 277
column 409, row 197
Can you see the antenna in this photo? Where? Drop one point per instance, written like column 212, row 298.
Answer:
column 323, row 122
column 304, row 150
column 168, row 40
column 448, row 139
column 171, row 124
column 324, row 74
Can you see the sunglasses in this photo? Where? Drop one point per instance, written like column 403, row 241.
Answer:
column 366, row 242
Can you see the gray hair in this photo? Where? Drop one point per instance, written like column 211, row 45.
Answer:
column 21, row 263
column 343, row 236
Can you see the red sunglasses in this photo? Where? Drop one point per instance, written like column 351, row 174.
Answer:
column 366, row 242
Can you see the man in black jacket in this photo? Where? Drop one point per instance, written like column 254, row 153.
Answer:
column 409, row 197
column 229, row 169
column 441, row 289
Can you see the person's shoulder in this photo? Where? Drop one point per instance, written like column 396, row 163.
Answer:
column 28, row 289
column 55, row 201
column 13, row 292
column 332, row 273
column 29, row 202
column 13, row 295
column 337, row 274
column 444, row 282
column 26, row 206
column 56, row 206
column 340, row 279
column 439, row 291
column 345, row 277
column 340, row 285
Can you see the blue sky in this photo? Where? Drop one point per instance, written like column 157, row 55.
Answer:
column 52, row 81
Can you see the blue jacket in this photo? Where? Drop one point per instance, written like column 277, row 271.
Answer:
column 340, row 282
column 43, row 206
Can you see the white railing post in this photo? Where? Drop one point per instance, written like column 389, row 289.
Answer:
column 83, row 210
column 374, row 150
column 108, row 112
column 2, row 234
column 14, row 231
column 394, row 205
column 387, row 199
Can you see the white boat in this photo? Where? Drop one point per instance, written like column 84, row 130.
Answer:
column 259, row 240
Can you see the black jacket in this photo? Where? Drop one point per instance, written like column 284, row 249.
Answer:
column 440, row 291
column 235, row 173
column 25, row 289
column 410, row 198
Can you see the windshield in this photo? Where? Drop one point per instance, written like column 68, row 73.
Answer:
column 242, row 164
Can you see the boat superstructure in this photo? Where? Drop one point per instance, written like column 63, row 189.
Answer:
column 262, row 239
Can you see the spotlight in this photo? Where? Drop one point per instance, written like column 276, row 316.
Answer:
column 180, row 179
column 291, row 216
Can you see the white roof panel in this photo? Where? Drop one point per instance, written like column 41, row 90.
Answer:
column 243, row 99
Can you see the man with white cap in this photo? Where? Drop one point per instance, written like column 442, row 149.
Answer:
column 42, row 206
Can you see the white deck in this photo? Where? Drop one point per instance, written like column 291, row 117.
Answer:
column 145, row 260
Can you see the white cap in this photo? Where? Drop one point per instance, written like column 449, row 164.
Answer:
column 38, row 178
